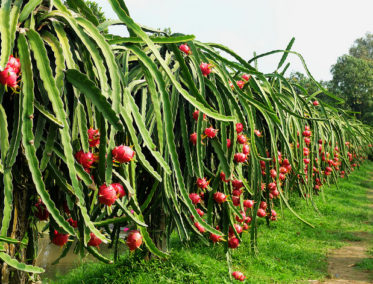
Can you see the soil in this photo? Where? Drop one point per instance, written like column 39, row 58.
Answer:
column 342, row 261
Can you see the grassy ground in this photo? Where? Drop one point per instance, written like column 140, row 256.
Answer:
column 366, row 264
column 289, row 251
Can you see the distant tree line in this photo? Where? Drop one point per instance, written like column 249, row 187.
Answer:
column 352, row 79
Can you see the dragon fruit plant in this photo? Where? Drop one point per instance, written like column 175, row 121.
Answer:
column 161, row 135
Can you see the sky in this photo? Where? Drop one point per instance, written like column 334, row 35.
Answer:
column 323, row 29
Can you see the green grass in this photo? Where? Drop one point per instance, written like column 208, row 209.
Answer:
column 366, row 264
column 289, row 251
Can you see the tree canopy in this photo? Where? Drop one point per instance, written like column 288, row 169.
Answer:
column 363, row 47
column 353, row 78
column 353, row 81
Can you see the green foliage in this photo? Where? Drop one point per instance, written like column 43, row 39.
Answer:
column 97, row 11
column 366, row 264
column 307, row 84
column 19, row 265
column 136, row 92
column 363, row 47
column 289, row 252
column 352, row 78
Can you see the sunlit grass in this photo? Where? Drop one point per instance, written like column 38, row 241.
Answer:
column 289, row 251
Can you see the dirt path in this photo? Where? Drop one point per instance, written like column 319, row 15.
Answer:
column 342, row 261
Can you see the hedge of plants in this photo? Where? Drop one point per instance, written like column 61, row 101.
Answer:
column 154, row 132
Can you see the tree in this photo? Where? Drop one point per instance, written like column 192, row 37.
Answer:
column 363, row 47
column 353, row 81
column 353, row 78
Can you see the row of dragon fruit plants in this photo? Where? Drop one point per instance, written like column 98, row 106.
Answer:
column 152, row 132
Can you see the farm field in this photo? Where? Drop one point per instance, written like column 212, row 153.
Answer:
column 138, row 154
column 289, row 251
